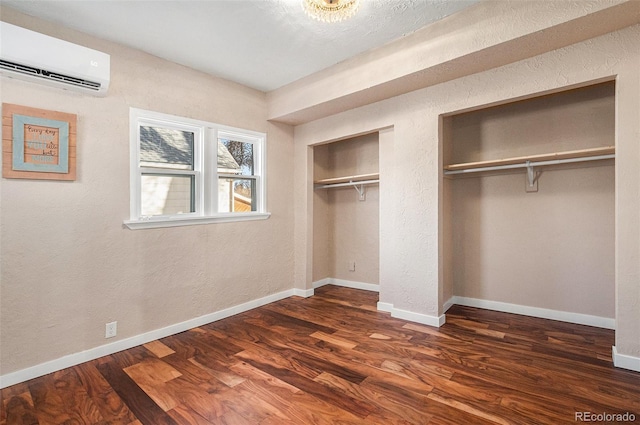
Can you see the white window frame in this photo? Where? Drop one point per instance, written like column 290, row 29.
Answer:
column 205, row 171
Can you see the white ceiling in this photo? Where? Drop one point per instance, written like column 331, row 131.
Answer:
column 263, row 44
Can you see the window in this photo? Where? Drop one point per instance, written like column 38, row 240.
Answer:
column 236, row 177
column 167, row 169
column 185, row 171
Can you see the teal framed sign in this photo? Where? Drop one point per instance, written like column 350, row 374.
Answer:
column 41, row 143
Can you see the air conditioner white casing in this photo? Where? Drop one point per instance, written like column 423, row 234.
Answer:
column 31, row 56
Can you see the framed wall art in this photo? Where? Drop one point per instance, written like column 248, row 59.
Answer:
column 38, row 144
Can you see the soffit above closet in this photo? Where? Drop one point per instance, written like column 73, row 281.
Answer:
column 486, row 36
column 258, row 43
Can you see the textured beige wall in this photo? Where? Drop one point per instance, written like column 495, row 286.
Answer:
column 628, row 203
column 553, row 248
column 411, row 190
column 69, row 266
column 322, row 226
column 345, row 228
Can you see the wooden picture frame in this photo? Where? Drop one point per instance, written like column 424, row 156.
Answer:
column 38, row 143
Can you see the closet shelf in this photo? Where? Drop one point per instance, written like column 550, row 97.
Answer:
column 347, row 179
column 358, row 182
column 593, row 154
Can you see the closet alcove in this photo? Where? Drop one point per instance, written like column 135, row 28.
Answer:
column 529, row 202
column 346, row 212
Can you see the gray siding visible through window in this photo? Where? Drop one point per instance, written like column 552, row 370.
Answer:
column 163, row 147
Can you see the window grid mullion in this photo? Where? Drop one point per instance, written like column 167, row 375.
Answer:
column 212, row 145
column 167, row 171
column 198, row 189
column 237, row 176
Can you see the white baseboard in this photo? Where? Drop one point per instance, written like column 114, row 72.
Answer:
column 386, row 307
column 124, row 344
column 624, row 361
column 306, row 293
column 347, row 283
column 448, row 304
column 322, row 282
column 435, row 321
column 543, row 313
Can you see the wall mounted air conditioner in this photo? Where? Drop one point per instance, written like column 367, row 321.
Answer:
column 36, row 57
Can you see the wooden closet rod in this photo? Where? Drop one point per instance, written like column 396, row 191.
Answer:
column 529, row 164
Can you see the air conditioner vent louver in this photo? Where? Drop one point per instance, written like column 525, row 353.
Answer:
column 28, row 70
column 39, row 58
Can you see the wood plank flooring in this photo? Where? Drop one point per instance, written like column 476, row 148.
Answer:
column 333, row 359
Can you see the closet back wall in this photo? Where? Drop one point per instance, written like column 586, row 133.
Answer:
column 550, row 249
column 346, row 229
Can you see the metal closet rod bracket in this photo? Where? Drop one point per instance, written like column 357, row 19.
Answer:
column 360, row 190
column 531, row 175
column 358, row 185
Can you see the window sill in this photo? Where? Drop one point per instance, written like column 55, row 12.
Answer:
column 176, row 221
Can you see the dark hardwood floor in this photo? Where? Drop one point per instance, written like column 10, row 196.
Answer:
column 333, row 359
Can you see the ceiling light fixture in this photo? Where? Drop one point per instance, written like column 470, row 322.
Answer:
column 330, row 10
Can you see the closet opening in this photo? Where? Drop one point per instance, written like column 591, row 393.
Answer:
column 346, row 246
column 529, row 206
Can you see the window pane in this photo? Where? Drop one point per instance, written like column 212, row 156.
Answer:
column 166, row 148
column 235, row 157
column 167, row 195
column 236, row 195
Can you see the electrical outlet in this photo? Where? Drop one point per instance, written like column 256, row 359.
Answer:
column 352, row 266
column 111, row 329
